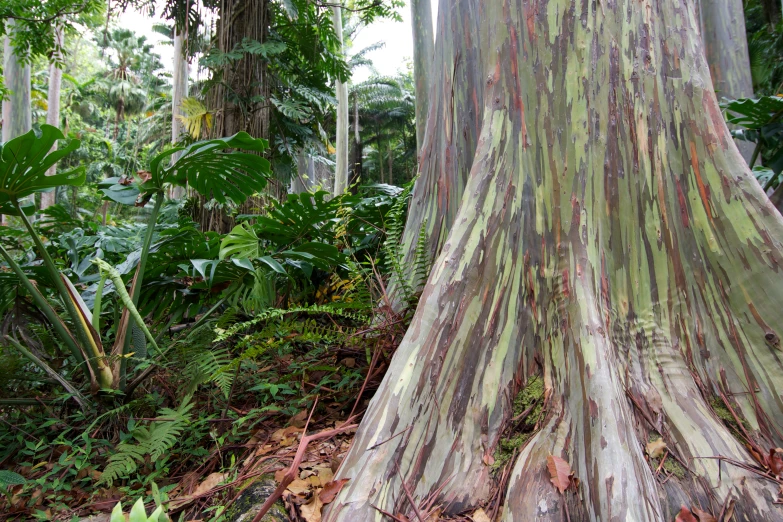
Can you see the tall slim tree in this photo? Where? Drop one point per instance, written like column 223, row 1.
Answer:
column 423, row 54
column 726, row 46
column 341, row 90
column 610, row 239
column 179, row 93
column 53, row 105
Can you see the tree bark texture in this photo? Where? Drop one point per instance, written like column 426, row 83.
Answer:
column 423, row 54
column 341, row 91
column 179, row 92
column 611, row 238
column 726, row 46
column 453, row 126
column 53, row 111
column 243, row 81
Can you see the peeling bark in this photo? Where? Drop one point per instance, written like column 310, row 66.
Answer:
column 609, row 236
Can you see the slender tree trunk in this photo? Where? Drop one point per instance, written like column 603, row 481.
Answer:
column 341, row 169
column 380, row 156
column 610, row 239
column 423, row 54
column 390, row 159
column 357, row 148
column 53, row 111
column 179, row 93
column 726, row 46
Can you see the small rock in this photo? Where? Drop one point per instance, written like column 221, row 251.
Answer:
column 101, row 517
column 251, row 499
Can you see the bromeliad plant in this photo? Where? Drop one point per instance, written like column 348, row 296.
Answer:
column 213, row 168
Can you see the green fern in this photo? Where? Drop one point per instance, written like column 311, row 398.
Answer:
column 340, row 309
column 404, row 283
column 153, row 440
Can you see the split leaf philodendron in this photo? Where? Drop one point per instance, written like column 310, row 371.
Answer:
column 213, row 168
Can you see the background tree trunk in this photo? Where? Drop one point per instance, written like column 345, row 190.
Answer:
column 610, row 239
column 179, row 92
column 423, row 54
column 53, row 110
column 341, row 90
column 245, row 80
column 726, row 46
column 357, row 148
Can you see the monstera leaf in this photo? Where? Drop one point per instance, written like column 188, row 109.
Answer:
column 24, row 161
column 212, row 170
column 754, row 113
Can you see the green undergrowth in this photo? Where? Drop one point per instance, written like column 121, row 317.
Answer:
column 197, row 413
column 528, row 399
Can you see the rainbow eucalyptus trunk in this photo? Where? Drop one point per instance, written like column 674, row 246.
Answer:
column 454, row 123
column 53, row 107
column 423, row 52
column 611, row 239
column 341, row 92
column 726, row 46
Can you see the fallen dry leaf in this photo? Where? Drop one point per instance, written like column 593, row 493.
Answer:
column 774, row 462
column 311, row 511
column 331, row 490
column 703, row 515
column 488, row 459
column 280, row 474
column 209, row 483
column 299, row 486
column 559, row 471
column 480, row 516
column 685, row 515
column 655, row 448
column 325, row 474
column 299, row 420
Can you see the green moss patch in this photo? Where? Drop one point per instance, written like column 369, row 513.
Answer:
column 521, row 430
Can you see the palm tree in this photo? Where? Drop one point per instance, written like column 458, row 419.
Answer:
column 385, row 107
column 131, row 60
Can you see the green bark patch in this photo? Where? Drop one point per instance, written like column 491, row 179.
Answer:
column 528, row 407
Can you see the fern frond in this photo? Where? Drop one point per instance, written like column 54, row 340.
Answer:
column 153, row 440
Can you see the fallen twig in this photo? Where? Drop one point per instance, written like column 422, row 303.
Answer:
column 291, row 474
